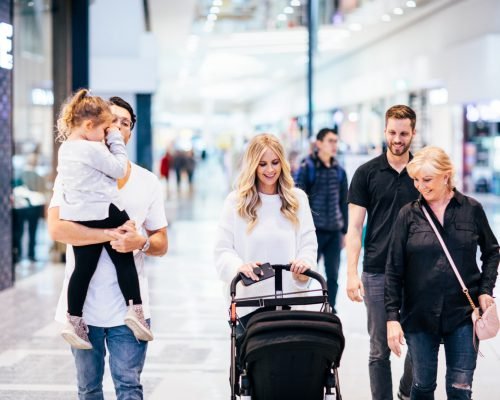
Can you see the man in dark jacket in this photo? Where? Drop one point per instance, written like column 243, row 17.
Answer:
column 325, row 182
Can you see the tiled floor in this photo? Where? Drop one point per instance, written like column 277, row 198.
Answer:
column 189, row 358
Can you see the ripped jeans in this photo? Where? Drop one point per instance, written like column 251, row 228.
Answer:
column 460, row 363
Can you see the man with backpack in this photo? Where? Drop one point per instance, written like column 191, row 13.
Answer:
column 325, row 183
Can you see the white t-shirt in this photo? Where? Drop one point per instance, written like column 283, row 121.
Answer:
column 104, row 305
column 274, row 239
column 87, row 172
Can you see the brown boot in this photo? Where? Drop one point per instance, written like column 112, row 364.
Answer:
column 136, row 322
column 75, row 332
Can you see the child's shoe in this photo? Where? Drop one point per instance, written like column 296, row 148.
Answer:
column 136, row 322
column 75, row 333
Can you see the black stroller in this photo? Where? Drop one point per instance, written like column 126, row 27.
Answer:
column 286, row 354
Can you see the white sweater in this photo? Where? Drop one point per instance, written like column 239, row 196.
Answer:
column 274, row 239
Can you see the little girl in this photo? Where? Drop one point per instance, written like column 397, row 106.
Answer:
column 87, row 172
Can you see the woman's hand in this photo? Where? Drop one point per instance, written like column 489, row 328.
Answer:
column 485, row 300
column 297, row 268
column 395, row 337
column 247, row 270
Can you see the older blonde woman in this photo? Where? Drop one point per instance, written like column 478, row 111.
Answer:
column 266, row 219
column 422, row 295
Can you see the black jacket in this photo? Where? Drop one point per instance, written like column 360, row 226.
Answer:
column 421, row 288
column 326, row 188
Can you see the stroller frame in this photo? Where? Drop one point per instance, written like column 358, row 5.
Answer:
column 241, row 386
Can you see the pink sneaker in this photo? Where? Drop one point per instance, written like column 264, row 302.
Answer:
column 75, row 333
column 136, row 322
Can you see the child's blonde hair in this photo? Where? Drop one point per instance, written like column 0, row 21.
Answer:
column 79, row 107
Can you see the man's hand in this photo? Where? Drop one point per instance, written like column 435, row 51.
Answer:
column 355, row 289
column 395, row 337
column 126, row 238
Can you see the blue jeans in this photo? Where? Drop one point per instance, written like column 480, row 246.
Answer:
column 460, row 363
column 329, row 248
column 126, row 360
column 379, row 363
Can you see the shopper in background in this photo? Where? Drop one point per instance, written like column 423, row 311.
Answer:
column 325, row 183
column 104, row 310
column 264, row 220
column 422, row 293
column 165, row 164
column 380, row 188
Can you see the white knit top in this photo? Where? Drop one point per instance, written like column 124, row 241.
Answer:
column 87, row 173
column 274, row 239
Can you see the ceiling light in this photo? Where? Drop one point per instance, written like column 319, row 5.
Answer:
column 281, row 17
column 214, row 10
column 411, row 4
column 355, row 27
column 295, row 3
column 288, row 10
column 211, row 17
column 386, row 18
column 398, row 11
column 217, row 3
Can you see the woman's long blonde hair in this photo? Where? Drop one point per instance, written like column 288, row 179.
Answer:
column 246, row 187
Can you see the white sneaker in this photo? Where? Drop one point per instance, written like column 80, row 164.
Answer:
column 136, row 322
column 75, row 332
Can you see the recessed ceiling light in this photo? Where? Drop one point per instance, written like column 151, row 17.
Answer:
column 411, row 4
column 386, row 18
column 281, row 17
column 295, row 3
column 398, row 11
column 214, row 10
column 217, row 3
column 288, row 10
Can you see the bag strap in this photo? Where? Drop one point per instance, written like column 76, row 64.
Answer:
column 448, row 255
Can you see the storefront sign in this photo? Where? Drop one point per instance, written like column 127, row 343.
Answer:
column 6, row 59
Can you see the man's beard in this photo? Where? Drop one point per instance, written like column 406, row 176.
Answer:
column 402, row 150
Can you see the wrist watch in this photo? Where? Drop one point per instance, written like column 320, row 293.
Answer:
column 146, row 245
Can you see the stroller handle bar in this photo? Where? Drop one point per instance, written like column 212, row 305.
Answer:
column 283, row 267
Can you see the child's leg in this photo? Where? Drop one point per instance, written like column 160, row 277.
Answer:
column 86, row 258
column 126, row 273
column 124, row 262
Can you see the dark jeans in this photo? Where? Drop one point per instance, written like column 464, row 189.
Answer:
column 379, row 364
column 126, row 361
column 87, row 257
column 329, row 248
column 460, row 363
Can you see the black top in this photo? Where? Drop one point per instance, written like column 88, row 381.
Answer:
column 327, row 193
column 383, row 191
column 421, row 288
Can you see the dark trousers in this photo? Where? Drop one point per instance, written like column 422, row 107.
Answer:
column 21, row 216
column 329, row 248
column 87, row 257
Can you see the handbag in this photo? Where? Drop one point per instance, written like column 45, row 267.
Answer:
column 485, row 325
